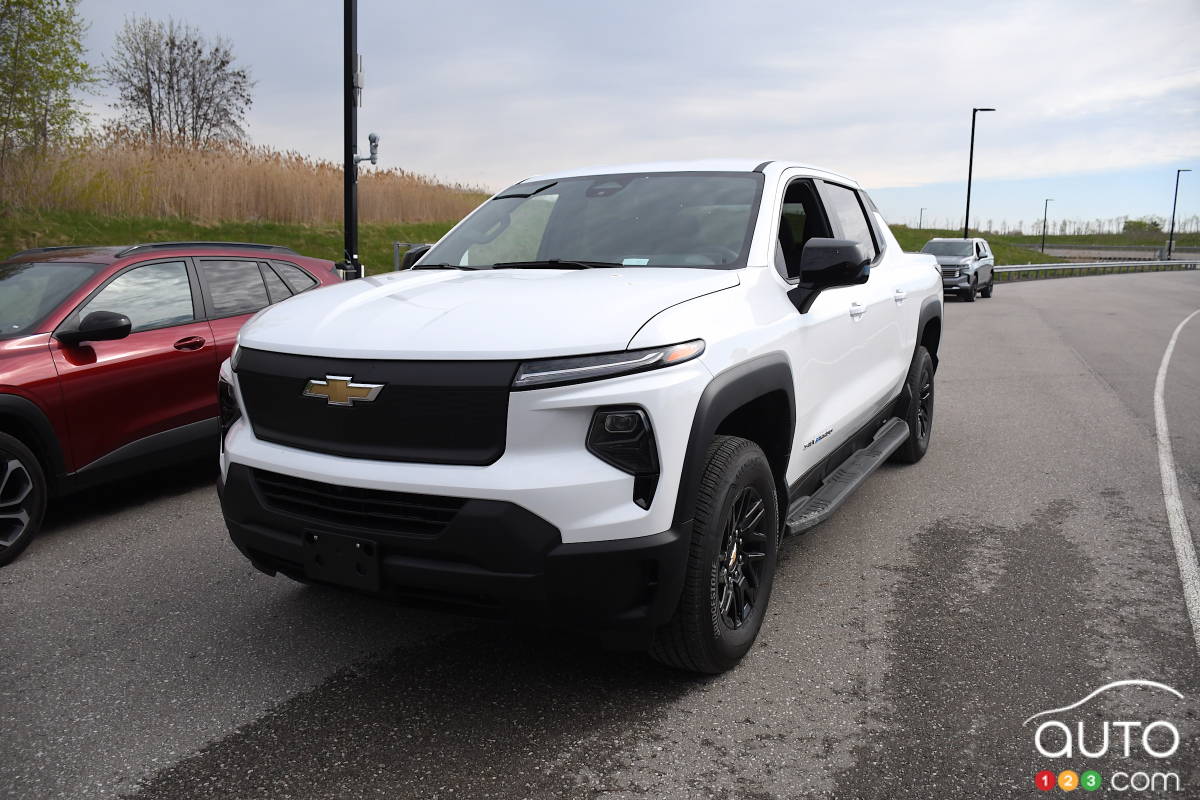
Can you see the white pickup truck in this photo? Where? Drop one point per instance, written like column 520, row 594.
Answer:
column 603, row 399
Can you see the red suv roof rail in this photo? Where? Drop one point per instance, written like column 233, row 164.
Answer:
column 275, row 248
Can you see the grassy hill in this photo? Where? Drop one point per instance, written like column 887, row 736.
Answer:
column 24, row 229
column 21, row 229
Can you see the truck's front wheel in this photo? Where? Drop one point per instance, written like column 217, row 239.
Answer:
column 731, row 563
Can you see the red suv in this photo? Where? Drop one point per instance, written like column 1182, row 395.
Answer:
column 109, row 359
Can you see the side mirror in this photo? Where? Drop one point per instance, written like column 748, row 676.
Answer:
column 828, row 263
column 413, row 255
column 825, row 263
column 98, row 326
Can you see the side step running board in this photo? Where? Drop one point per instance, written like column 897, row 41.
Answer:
column 806, row 512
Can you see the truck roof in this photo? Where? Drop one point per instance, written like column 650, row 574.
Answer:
column 701, row 165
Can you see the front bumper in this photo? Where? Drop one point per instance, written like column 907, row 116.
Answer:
column 962, row 281
column 493, row 557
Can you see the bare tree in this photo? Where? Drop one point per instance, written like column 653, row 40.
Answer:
column 175, row 85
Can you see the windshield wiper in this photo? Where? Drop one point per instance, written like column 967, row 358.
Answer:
column 445, row 266
column 555, row 263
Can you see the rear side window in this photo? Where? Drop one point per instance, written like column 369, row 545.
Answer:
column 154, row 296
column 234, row 287
column 275, row 285
column 297, row 279
column 844, row 206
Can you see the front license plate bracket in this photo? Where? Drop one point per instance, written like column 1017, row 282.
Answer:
column 344, row 560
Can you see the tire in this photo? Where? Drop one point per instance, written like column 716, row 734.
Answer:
column 969, row 294
column 718, row 618
column 917, row 408
column 986, row 291
column 22, row 497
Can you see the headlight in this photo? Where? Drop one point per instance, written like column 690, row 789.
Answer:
column 577, row 369
column 622, row 436
column 229, row 411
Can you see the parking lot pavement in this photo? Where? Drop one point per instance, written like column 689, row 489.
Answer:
column 1025, row 562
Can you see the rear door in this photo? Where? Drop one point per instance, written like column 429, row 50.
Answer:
column 234, row 290
column 158, row 379
column 872, row 348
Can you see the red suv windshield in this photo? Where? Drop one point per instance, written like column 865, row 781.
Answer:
column 30, row 290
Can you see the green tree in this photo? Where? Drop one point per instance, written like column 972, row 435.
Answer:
column 1142, row 226
column 42, row 69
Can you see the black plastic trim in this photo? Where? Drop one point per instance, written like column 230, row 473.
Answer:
column 270, row 248
column 32, row 416
column 763, row 165
column 158, row 448
column 931, row 309
column 726, row 393
column 493, row 556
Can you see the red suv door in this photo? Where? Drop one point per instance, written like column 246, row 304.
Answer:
column 234, row 289
column 159, row 378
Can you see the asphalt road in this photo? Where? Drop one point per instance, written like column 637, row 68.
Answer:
column 1024, row 563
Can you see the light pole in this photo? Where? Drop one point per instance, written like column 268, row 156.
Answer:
column 1045, row 216
column 970, row 167
column 1174, row 204
column 921, row 220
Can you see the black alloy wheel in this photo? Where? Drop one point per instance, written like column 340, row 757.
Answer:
column 740, row 561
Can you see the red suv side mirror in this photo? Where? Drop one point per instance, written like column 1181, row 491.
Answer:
column 98, row 326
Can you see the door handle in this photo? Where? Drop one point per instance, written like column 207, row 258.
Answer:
column 857, row 310
column 899, row 296
column 190, row 343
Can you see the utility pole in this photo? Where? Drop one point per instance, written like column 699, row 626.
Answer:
column 1045, row 213
column 921, row 220
column 351, row 94
column 1174, row 205
column 970, row 168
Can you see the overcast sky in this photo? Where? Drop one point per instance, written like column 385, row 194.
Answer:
column 1098, row 102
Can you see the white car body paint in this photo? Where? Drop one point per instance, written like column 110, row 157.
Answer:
column 844, row 369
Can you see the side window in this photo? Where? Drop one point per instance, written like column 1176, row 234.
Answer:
column 297, row 279
column 276, row 288
column 845, row 206
column 800, row 221
column 234, row 287
column 153, row 296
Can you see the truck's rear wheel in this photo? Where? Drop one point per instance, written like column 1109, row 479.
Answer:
column 731, row 563
column 22, row 497
column 917, row 408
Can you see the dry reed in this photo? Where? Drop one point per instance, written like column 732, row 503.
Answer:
column 219, row 184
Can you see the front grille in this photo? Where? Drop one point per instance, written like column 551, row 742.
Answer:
column 437, row 412
column 352, row 507
column 949, row 272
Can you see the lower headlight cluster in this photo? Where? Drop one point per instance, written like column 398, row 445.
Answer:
column 229, row 411
column 622, row 436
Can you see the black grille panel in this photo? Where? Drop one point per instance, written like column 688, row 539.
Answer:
column 349, row 506
column 440, row 412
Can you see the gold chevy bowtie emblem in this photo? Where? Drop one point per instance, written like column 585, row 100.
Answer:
column 339, row 390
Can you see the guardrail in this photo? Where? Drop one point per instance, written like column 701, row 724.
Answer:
column 1024, row 272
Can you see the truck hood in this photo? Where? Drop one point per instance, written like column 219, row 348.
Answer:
column 485, row 314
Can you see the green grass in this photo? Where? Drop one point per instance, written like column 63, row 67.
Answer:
column 1006, row 252
column 24, row 229
column 1111, row 239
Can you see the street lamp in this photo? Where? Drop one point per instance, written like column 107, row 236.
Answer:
column 970, row 167
column 1045, row 212
column 921, row 220
column 1174, row 204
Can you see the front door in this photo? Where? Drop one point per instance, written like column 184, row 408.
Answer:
column 159, row 378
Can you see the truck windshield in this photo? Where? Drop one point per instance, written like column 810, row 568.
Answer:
column 30, row 290
column 949, row 248
column 693, row 219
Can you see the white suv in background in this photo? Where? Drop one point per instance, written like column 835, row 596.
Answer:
column 966, row 264
column 601, row 400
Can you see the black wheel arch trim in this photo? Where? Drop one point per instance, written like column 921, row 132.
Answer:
column 34, row 419
column 931, row 309
column 724, row 394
